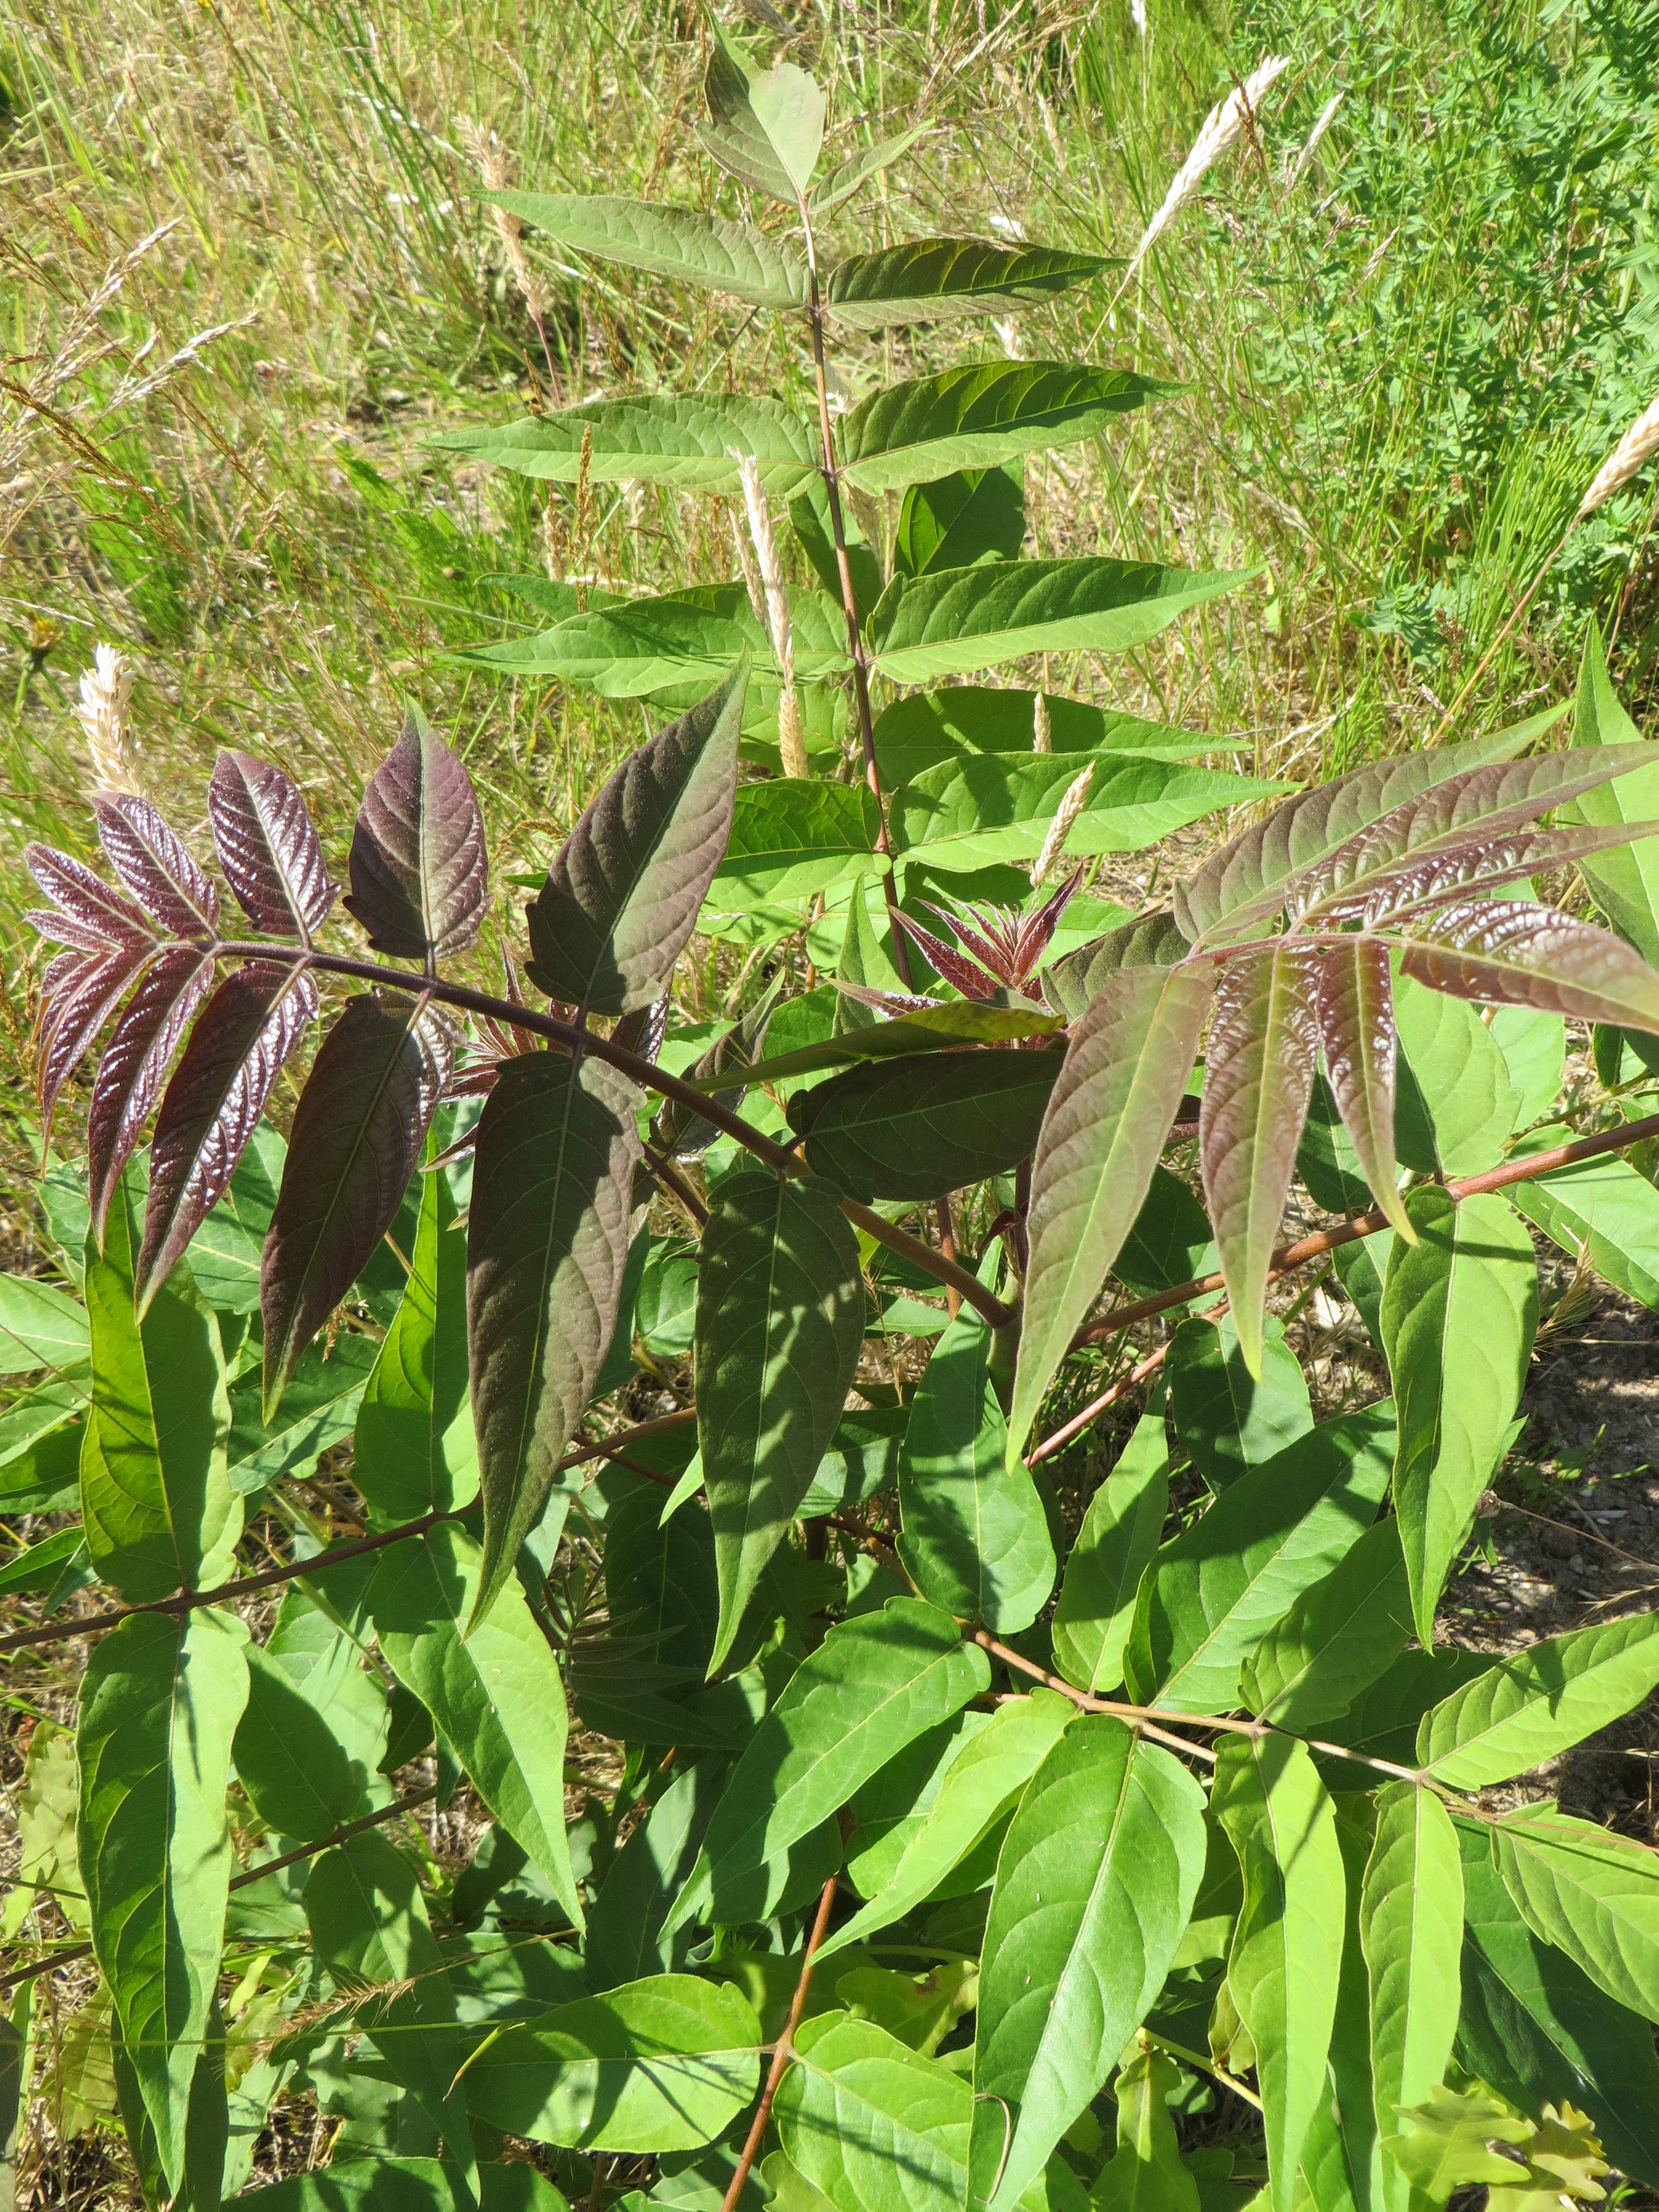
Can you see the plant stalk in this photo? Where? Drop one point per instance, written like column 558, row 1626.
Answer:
column 783, row 2050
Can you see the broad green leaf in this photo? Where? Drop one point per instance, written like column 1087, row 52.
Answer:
column 1461, row 1080
column 663, row 2064
column 1339, row 1634
column 1120, row 1533
column 940, row 279
column 1603, row 1211
column 1536, row 2027
column 660, row 1585
column 1459, row 1311
column 985, row 1776
column 974, row 1537
column 926, row 729
column 300, row 1778
column 1124, row 1072
column 931, row 1029
column 1146, row 2174
column 1094, row 1888
column 872, row 2125
column 1534, row 1049
column 39, row 1327
column 923, row 1125
column 790, row 838
column 494, row 1692
column 686, row 442
column 1211, row 1594
column 779, row 1328
column 546, row 1247
column 1625, row 882
column 377, row 2183
column 872, row 1685
column 415, row 1451
column 318, row 1410
column 862, row 1461
column 625, row 1937
column 156, row 1503
column 844, row 180
column 621, row 898
column 979, row 418
column 370, row 1933
column 1258, row 1079
column 667, row 241
column 1410, row 1929
column 226, row 1250
column 1536, row 1703
column 962, row 620
column 1381, row 1721
column 637, row 649
column 1593, row 1895
column 1287, row 1950
column 159, row 1701
column 318, row 1643
column 1350, row 2063
column 1169, row 1242
column 971, row 516
column 1225, row 1417
column 766, row 126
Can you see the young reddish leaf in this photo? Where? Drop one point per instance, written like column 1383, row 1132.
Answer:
column 267, row 847
column 88, row 914
column 1124, row 1070
column 154, row 865
column 134, row 1064
column 546, row 1247
column 83, row 997
column 962, row 974
column 419, row 877
column 1258, row 1079
column 1476, row 862
column 358, row 1131
column 622, row 896
column 246, row 1031
column 1356, row 1028
column 1509, row 953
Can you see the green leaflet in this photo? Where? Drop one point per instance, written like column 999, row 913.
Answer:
column 156, row 1503
column 659, row 438
column 959, row 620
column 625, row 1936
column 844, row 180
column 1535, row 2027
column 1461, row 1081
column 1211, row 1594
column 319, row 1406
column 1349, row 2063
column 159, row 1702
column 663, row 2064
column 969, row 516
column 494, row 1690
column 1094, row 1888
column 979, row 418
column 622, row 896
column 1625, row 880
column 39, row 1327
column 1535, row 1048
column 415, row 1451
column 1459, row 1310
column 790, row 839
column 1227, row 1419
column 942, row 279
column 1537, row 1703
column 871, row 2124
column 1605, row 1211
column 411, row 2184
column 766, row 126
column 940, row 1028
column 1339, row 1634
column 974, row 1537
column 301, row 1779
column 1411, row 1929
column 1146, row 2174
column 983, row 1777
column 928, row 1123
column 926, row 730
column 778, row 1327
column 1124, row 1070
column 546, row 1249
column 369, row 1930
column 1288, row 1950
column 1119, row 1535
column 874, row 1683
column 1594, row 1895
column 667, row 241
column 641, row 648
column 660, row 1584
column 986, row 807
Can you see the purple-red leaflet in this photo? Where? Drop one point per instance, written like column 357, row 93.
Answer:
column 267, row 847
column 419, row 877
column 134, row 1064
column 1357, row 1032
column 1511, row 953
column 150, row 860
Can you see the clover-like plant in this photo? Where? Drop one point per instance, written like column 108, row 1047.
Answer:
column 1032, row 1796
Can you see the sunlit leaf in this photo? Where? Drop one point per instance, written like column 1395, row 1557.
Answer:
column 660, row 438
column 766, row 126
column 1228, row 1419
column 1509, row 953
column 1593, row 1895
column 938, row 279
column 1357, row 1037
column 918, row 1127
column 1526, row 1708
column 1411, row 1928
column 1120, row 1533
column 1338, row 1635
column 790, row 838
column 419, row 878
column 979, row 418
column 680, row 243
column 1626, row 883
column 268, row 848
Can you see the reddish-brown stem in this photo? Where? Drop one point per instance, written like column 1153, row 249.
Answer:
column 297, row 1570
column 947, row 1244
column 1096, row 1406
column 245, row 1880
column 782, row 2050
column 1290, row 1256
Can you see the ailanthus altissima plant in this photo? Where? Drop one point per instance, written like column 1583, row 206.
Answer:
column 953, row 1846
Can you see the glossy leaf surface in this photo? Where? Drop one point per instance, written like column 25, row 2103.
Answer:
column 419, row 878
column 268, row 848
column 916, row 1127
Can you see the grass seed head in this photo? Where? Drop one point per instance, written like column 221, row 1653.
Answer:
column 1061, row 828
column 1224, row 126
column 101, row 712
column 1637, row 446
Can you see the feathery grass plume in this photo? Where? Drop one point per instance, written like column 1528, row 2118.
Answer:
column 101, row 712
column 1061, row 828
column 1638, row 446
column 1041, row 736
column 1310, row 145
column 751, row 574
column 791, row 742
column 1224, row 126
column 485, row 149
